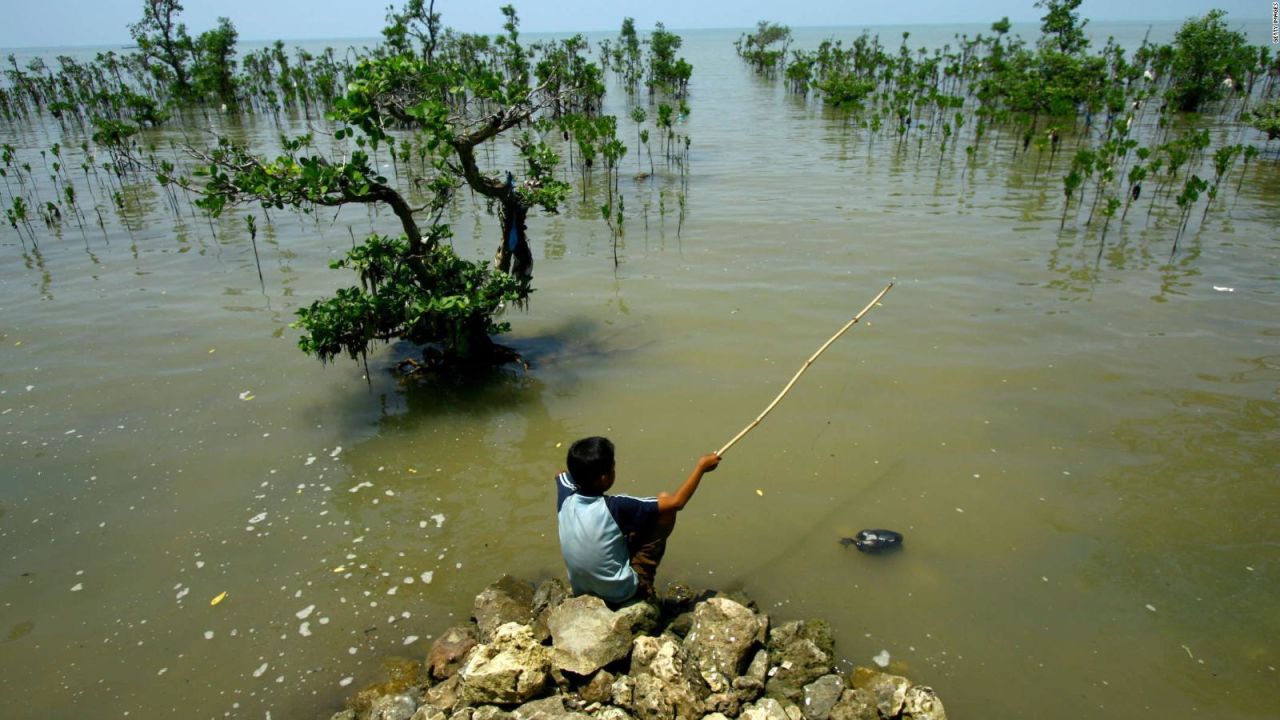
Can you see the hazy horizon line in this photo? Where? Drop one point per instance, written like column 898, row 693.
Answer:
column 608, row 30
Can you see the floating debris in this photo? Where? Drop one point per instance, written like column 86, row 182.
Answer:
column 218, row 598
column 247, row 395
column 336, row 452
column 1151, row 607
column 882, row 659
column 305, row 612
column 345, row 681
column 1220, row 288
column 261, row 669
column 77, row 587
column 305, row 629
column 411, row 640
column 874, row 541
column 439, row 519
column 427, row 576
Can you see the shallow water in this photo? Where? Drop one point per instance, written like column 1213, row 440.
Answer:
column 1082, row 452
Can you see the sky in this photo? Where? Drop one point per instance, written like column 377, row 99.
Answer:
column 45, row 23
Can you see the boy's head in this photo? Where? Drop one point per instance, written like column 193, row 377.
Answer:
column 590, row 462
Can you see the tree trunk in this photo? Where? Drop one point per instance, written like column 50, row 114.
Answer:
column 417, row 246
column 471, row 346
column 514, row 255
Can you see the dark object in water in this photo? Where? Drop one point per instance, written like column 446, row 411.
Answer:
column 874, row 541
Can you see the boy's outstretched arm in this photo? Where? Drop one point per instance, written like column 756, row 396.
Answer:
column 670, row 504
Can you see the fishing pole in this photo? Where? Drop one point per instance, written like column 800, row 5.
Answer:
column 804, row 367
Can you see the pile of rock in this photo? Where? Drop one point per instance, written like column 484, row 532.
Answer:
column 542, row 655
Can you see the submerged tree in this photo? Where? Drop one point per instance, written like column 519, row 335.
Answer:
column 1208, row 60
column 759, row 49
column 1061, row 25
column 164, row 41
column 215, row 64
column 1266, row 118
column 454, row 104
column 447, row 98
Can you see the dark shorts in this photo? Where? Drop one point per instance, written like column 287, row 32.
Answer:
column 647, row 548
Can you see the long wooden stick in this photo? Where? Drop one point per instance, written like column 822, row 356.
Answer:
column 804, row 367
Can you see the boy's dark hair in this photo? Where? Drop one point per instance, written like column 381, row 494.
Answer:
column 588, row 460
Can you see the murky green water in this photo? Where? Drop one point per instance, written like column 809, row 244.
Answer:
column 1083, row 452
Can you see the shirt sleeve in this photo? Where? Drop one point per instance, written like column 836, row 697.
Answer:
column 564, row 488
column 632, row 513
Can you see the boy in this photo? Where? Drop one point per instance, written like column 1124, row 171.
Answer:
column 612, row 544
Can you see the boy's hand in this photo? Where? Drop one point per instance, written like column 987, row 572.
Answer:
column 708, row 462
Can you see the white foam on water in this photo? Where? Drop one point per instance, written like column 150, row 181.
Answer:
column 208, row 634
column 258, row 518
column 345, row 681
column 336, row 452
column 305, row 629
column 261, row 669
column 305, row 612
column 427, row 576
column 411, row 640
column 439, row 518
column 77, row 587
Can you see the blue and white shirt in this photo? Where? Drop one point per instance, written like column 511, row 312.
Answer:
column 593, row 538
